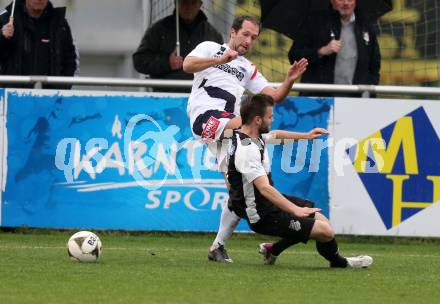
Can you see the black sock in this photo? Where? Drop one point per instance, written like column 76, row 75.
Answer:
column 330, row 252
column 282, row 245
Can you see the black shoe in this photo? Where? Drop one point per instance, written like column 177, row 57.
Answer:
column 219, row 255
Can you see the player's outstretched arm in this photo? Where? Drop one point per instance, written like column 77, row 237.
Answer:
column 274, row 196
column 193, row 64
column 294, row 72
column 282, row 134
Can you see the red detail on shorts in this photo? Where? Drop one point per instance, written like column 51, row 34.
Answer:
column 225, row 114
column 254, row 74
column 210, row 128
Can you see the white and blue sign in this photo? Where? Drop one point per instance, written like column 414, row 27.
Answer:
column 389, row 182
column 128, row 161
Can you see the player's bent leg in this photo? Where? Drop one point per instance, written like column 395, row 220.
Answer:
column 321, row 231
column 271, row 251
column 209, row 126
column 322, row 217
column 327, row 246
column 290, row 229
column 228, row 222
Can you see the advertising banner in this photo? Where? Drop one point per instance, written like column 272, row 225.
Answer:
column 113, row 162
column 2, row 146
column 128, row 161
column 386, row 174
column 301, row 168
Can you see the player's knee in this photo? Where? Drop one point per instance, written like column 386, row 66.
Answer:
column 327, row 233
column 321, row 217
column 322, row 231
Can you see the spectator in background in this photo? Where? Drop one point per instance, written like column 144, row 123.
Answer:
column 156, row 54
column 340, row 45
column 37, row 41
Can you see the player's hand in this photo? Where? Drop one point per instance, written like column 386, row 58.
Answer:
column 175, row 61
column 297, row 69
column 317, row 132
column 228, row 56
column 8, row 30
column 334, row 46
column 304, row 212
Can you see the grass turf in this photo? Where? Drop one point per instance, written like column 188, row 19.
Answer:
column 173, row 268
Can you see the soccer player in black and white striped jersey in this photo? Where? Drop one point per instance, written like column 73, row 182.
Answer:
column 254, row 198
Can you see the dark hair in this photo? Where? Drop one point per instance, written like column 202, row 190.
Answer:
column 238, row 21
column 253, row 106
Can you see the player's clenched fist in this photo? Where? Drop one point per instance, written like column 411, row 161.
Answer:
column 228, row 56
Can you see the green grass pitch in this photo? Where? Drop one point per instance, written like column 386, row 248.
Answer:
column 173, row 268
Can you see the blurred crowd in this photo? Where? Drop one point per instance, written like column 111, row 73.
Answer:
column 339, row 43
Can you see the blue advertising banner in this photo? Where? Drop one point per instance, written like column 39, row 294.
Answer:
column 117, row 162
column 301, row 168
column 2, row 146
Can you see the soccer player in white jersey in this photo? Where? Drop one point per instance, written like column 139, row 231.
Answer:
column 221, row 74
column 253, row 197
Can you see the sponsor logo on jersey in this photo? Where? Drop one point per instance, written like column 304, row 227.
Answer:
column 221, row 52
column 230, row 70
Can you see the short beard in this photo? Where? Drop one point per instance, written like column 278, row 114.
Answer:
column 263, row 129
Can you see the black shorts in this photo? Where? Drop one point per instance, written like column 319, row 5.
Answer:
column 299, row 201
column 285, row 225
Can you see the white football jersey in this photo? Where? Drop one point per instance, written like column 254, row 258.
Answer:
column 214, row 87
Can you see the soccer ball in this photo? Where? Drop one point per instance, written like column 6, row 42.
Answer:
column 84, row 246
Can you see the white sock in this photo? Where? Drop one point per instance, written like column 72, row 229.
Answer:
column 228, row 221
